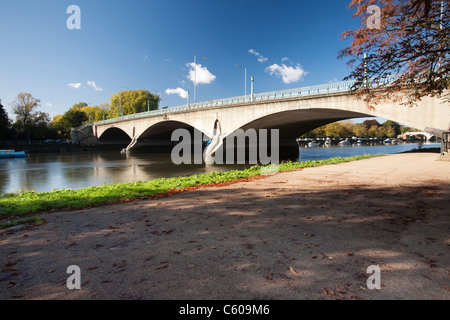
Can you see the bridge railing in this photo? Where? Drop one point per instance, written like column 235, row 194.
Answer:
column 343, row 86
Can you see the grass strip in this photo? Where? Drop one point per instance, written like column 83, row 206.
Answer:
column 12, row 223
column 28, row 202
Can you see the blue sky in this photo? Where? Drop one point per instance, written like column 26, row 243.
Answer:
column 142, row 44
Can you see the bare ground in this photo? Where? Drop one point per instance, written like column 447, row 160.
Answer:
column 309, row 234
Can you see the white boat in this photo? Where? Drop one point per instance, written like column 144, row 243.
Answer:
column 346, row 142
column 327, row 143
column 387, row 141
column 12, row 154
column 313, row 144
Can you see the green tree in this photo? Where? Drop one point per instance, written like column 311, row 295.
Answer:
column 94, row 113
column 29, row 122
column 57, row 126
column 361, row 130
column 338, row 130
column 71, row 119
column 132, row 101
column 392, row 128
column 79, row 106
column 5, row 124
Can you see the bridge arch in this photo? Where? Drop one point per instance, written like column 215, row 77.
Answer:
column 293, row 123
column 157, row 137
column 164, row 129
column 114, row 134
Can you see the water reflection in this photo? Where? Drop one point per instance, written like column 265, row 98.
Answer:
column 44, row 172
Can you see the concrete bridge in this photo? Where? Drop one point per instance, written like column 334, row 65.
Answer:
column 294, row 112
column 427, row 135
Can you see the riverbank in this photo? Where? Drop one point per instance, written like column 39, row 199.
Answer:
column 27, row 202
column 308, row 234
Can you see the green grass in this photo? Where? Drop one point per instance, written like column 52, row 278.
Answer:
column 28, row 202
column 11, row 223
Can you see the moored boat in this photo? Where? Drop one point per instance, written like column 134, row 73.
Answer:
column 12, row 154
column 346, row 142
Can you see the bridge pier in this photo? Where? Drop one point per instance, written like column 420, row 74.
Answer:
column 289, row 150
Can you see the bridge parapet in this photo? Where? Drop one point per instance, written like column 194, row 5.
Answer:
column 336, row 87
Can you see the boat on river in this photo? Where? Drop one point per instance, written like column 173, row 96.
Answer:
column 12, row 154
column 344, row 143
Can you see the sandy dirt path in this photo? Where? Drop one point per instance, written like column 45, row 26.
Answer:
column 309, row 234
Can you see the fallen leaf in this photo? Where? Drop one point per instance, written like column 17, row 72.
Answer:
column 293, row 271
column 446, row 287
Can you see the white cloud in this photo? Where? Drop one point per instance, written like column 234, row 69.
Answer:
column 94, row 85
column 49, row 105
column 285, row 59
column 180, row 91
column 287, row 74
column 74, row 85
column 203, row 74
column 260, row 57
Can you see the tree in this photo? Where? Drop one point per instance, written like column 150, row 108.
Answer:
column 361, row 130
column 411, row 41
column 338, row 130
column 370, row 123
column 79, row 106
column 132, row 101
column 29, row 121
column 57, row 126
column 94, row 113
column 71, row 119
column 393, row 129
column 4, row 123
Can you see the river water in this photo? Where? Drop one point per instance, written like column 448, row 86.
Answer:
column 45, row 172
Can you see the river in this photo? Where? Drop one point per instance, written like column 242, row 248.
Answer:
column 45, row 172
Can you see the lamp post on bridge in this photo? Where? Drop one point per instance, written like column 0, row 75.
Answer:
column 195, row 77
